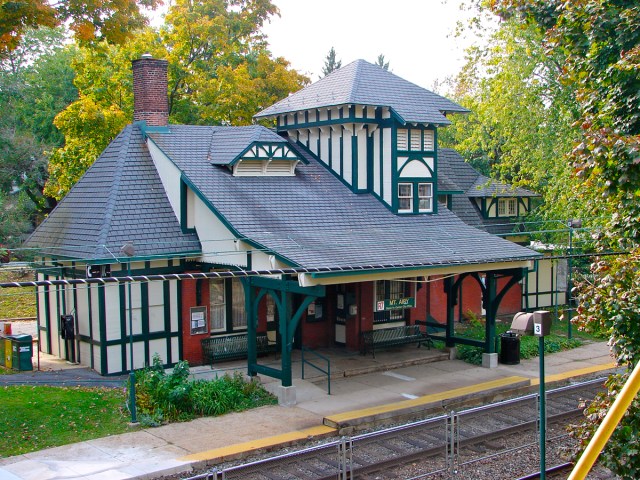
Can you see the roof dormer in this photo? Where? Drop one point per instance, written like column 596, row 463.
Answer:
column 267, row 160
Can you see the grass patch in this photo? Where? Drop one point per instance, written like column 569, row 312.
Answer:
column 37, row 417
column 555, row 342
column 17, row 302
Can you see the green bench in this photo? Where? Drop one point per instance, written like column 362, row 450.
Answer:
column 232, row 347
column 391, row 337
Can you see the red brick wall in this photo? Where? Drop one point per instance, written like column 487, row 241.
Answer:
column 471, row 298
column 421, row 295
column 150, row 99
column 191, row 348
column 437, row 299
column 512, row 301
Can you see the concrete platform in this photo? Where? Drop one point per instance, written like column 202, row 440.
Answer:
column 426, row 381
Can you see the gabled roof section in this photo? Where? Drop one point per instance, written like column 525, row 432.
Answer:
column 119, row 199
column 214, row 145
column 487, row 187
column 313, row 220
column 362, row 83
column 453, row 168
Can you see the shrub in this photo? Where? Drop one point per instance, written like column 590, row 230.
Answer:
column 162, row 397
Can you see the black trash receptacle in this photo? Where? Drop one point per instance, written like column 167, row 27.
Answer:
column 510, row 348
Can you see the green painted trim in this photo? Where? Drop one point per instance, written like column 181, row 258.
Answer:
column 230, row 227
column 74, row 296
column 183, row 209
column 137, row 338
column 346, row 120
column 330, row 150
column 90, row 310
column 283, row 144
column 166, row 302
column 144, row 318
column 123, row 323
column 377, row 113
column 341, row 148
column 179, row 320
column 435, row 191
column 38, row 310
column 47, row 314
column 403, row 269
column 355, row 178
column 103, row 328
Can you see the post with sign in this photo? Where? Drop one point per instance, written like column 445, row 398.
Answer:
column 541, row 328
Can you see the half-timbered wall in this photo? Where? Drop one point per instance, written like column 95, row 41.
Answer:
column 101, row 314
column 369, row 151
column 503, row 207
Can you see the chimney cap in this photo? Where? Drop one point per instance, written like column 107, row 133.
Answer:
column 146, row 55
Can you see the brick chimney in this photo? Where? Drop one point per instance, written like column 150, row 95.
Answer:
column 150, row 101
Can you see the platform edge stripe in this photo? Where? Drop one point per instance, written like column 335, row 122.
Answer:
column 247, row 447
column 424, row 400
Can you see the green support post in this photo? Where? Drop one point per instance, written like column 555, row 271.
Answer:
column 449, row 332
column 252, row 327
column 287, row 339
column 491, row 308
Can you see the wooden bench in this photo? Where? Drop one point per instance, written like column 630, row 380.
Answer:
column 393, row 336
column 232, row 347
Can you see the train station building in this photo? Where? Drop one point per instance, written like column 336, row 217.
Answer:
column 383, row 229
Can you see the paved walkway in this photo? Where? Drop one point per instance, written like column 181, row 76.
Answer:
column 361, row 388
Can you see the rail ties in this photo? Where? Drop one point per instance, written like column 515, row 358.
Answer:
column 448, row 443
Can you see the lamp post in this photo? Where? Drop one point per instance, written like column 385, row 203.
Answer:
column 129, row 250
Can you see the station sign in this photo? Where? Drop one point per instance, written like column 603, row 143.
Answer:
column 396, row 304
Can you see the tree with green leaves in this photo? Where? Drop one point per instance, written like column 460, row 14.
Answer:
column 90, row 20
column 600, row 43
column 220, row 73
column 36, row 82
column 331, row 63
column 380, row 61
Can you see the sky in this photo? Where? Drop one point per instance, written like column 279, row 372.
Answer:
column 416, row 37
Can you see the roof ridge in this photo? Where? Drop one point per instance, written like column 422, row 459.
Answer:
column 354, row 83
column 114, row 190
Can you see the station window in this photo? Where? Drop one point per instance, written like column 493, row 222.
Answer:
column 425, row 197
column 507, row 207
column 391, row 290
column 226, row 305
column 405, row 197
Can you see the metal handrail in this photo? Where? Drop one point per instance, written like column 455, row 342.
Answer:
column 327, row 372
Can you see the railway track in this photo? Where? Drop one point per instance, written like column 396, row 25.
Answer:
column 454, row 445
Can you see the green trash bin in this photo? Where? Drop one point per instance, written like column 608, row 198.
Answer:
column 22, row 351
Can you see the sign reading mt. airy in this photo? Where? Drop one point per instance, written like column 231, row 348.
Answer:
column 396, row 304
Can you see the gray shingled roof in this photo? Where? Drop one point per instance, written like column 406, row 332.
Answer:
column 487, row 187
column 220, row 145
column 362, row 83
column 312, row 220
column 119, row 199
column 453, row 168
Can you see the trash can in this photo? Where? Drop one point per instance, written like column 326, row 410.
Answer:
column 21, row 352
column 510, row 348
column 2, row 342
